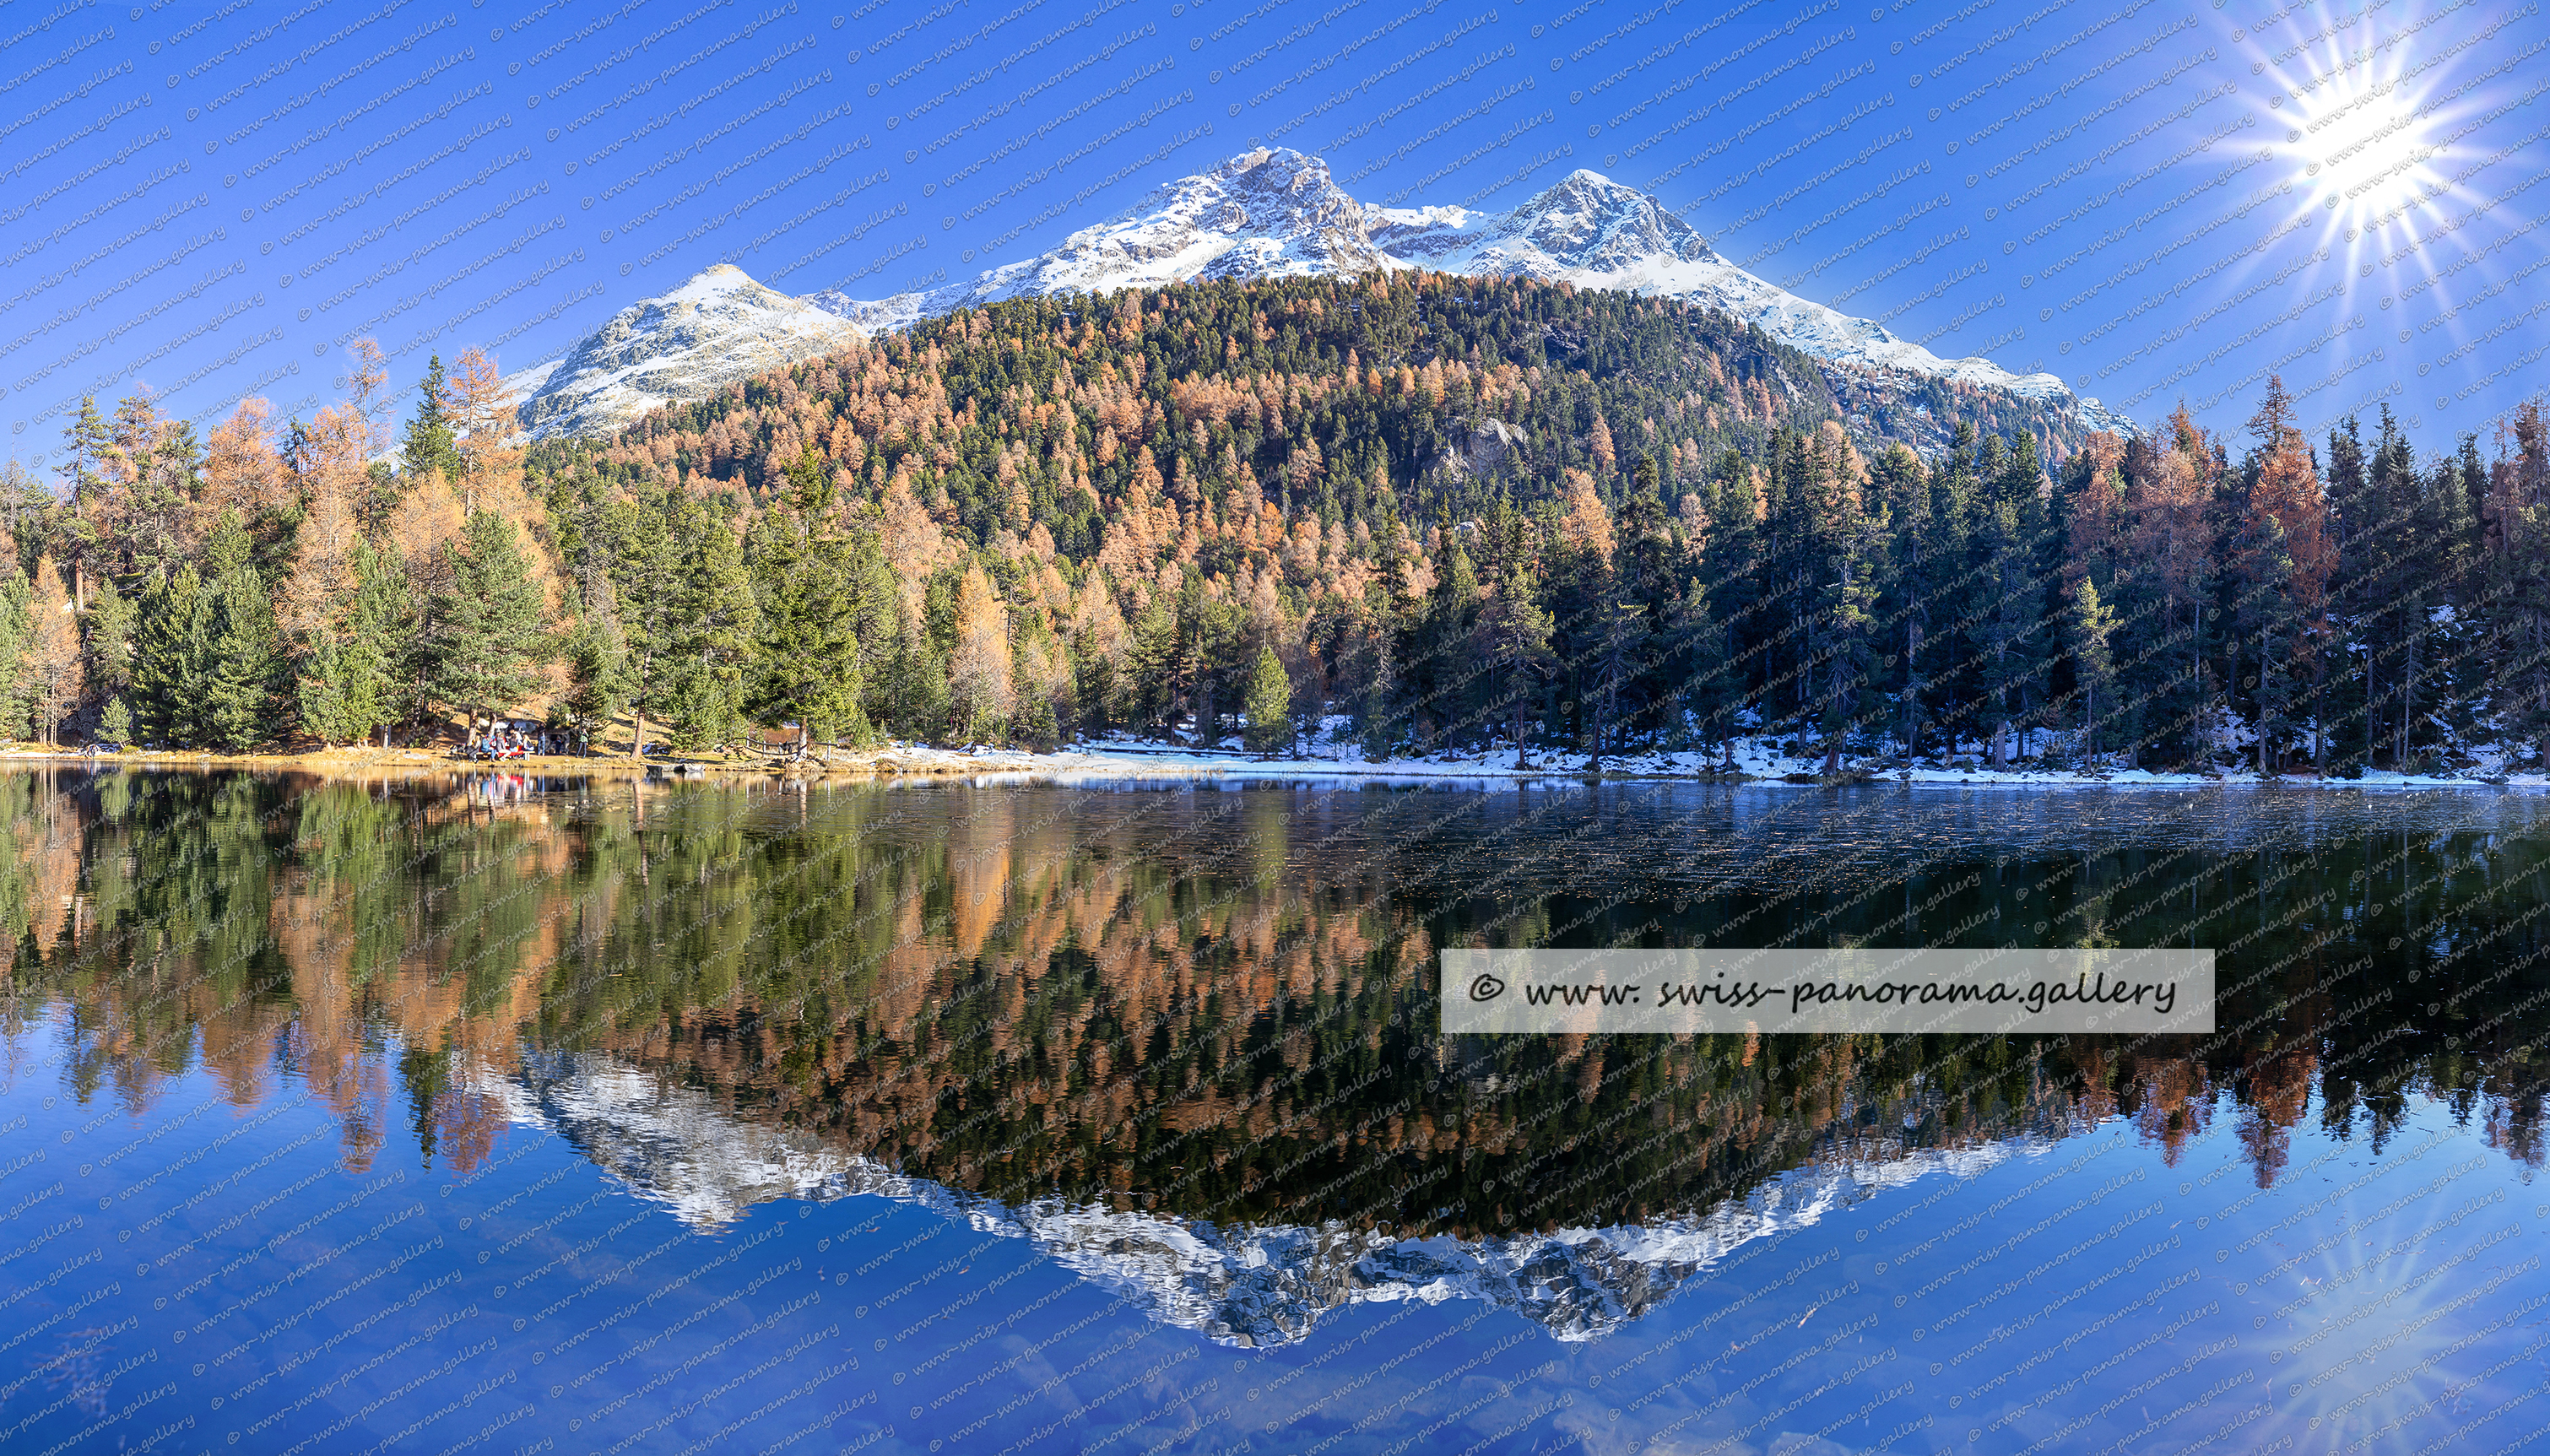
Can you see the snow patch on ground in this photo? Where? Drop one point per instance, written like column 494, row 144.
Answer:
column 1335, row 752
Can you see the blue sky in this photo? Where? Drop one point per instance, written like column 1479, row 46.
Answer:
column 2151, row 198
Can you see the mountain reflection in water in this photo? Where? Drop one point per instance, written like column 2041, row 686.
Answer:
column 1182, row 1038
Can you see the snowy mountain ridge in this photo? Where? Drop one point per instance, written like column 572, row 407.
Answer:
column 1267, row 213
column 1243, row 1284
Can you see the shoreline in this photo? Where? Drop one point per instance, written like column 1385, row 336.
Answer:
column 1126, row 760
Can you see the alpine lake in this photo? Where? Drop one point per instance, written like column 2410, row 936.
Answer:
column 510, row 1114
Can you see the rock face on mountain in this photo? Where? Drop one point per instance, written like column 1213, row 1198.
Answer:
column 1595, row 233
column 1266, row 214
column 1261, row 215
column 716, row 329
column 1275, row 213
column 1250, row 1285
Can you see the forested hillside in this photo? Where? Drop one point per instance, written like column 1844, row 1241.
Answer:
column 1464, row 512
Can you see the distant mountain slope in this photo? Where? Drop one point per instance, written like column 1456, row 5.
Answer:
column 716, row 330
column 1276, row 213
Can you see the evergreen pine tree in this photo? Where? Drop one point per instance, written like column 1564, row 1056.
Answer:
column 243, row 650
column 1714, row 691
column 172, row 659
column 490, row 636
column 914, row 682
column 806, row 667
column 1620, row 634
column 431, row 443
column 17, row 632
column 598, row 667
column 379, row 638
column 1517, row 632
column 1269, row 706
column 715, row 621
column 106, row 646
column 88, row 452
column 1849, row 621
column 347, row 684
column 2090, row 624
column 319, row 691
column 644, row 572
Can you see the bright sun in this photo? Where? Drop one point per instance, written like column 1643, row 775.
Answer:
column 2366, row 149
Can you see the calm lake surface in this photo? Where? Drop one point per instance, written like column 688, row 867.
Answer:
column 501, row 1114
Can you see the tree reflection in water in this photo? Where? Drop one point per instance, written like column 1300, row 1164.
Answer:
column 1214, row 1004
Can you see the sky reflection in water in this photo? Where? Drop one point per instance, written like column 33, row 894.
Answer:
column 1085, row 1118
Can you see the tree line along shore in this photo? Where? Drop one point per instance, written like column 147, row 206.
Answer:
column 1475, row 516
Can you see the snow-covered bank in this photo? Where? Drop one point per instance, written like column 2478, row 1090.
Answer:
column 1761, row 759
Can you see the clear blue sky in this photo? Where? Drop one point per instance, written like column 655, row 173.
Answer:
column 2152, row 198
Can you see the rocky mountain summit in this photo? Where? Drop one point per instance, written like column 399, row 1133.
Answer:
column 1247, row 1285
column 719, row 329
column 1265, row 213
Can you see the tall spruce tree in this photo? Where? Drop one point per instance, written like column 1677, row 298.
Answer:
column 89, row 455
column 431, row 443
column 599, row 683
column 644, row 571
column 806, row 663
column 2089, row 625
column 172, row 659
column 17, row 639
column 1712, row 691
column 347, row 683
column 490, row 631
column 242, row 649
column 106, row 652
column 1516, row 631
column 715, row 621
column 1269, row 706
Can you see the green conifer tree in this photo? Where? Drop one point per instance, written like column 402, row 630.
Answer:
column 172, row 648
column 242, row 647
column 806, row 666
column 106, row 644
column 2089, row 625
column 346, row 683
column 17, row 639
column 490, row 636
column 1517, row 632
column 89, row 443
column 718, row 622
column 1269, row 706
column 598, row 667
column 644, row 571
column 430, row 443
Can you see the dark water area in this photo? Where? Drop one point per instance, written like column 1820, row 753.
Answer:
column 505, row 1114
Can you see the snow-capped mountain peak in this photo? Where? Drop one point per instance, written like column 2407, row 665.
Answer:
column 1266, row 213
column 719, row 328
column 1587, row 222
column 1270, row 213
